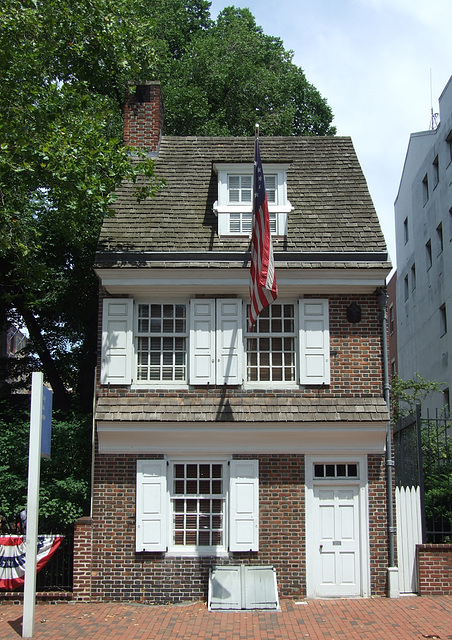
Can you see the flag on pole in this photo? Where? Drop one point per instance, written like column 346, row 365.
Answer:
column 263, row 288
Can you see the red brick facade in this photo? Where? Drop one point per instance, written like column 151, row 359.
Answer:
column 143, row 117
column 434, row 563
column 355, row 351
column 119, row 573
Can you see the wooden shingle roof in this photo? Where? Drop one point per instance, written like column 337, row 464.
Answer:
column 333, row 211
column 233, row 407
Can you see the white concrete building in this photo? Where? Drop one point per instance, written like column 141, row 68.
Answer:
column 423, row 216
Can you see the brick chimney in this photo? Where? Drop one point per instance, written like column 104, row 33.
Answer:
column 143, row 117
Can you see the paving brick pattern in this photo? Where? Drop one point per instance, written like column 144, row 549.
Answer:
column 364, row 619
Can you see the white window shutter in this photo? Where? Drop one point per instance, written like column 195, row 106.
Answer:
column 314, row 341
column 202, row 341
column 229, row 343
column 244, row 505
column 151, row 506
column 117, row 341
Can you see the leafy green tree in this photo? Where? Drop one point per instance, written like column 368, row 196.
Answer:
column 64, row 67
column 407, row 394
column 231, row 76
column 65, row 477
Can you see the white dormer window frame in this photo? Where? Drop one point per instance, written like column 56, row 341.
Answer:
column 234, row 206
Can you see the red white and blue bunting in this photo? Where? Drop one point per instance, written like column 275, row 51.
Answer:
column 12, row 558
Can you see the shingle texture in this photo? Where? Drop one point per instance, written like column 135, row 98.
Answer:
column 189, row 408
column 333, row 211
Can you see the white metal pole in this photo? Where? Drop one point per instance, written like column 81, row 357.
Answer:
column 31, row 541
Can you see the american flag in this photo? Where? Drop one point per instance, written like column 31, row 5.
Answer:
column 263, row 288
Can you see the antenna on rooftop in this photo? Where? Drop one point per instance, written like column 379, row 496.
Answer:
column 433, row 116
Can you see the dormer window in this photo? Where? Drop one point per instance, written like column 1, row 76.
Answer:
column 234, row 206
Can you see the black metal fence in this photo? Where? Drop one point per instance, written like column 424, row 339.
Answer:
column 423, row 456
column 57, row 574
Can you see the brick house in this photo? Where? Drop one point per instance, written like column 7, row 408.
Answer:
column 215, row 445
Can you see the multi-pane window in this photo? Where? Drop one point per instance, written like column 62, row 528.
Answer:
column 240, row 189
column 340, row 470
column 240, row 192
column 270, row 345
column 161, row 342
column 198, row 504
column 242, row 223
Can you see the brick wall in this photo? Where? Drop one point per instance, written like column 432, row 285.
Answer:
column 143, row 117
column 119, row 573
column 378, row 524
column 355, row 355
column 82, row 559
column 434, row 564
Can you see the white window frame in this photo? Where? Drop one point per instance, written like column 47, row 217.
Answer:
column 154, row 513
column 161, row 334
column 208, row 550
column 283, row 335
column 278, row 210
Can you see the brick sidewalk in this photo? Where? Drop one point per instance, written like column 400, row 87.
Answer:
column 364, row 619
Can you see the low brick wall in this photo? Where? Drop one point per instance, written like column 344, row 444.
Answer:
column 82, row 559
column 42, row 597
column 434, row 564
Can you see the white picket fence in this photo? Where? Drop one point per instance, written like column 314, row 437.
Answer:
column 409, row 533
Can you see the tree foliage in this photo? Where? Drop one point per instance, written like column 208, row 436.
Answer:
column 407, row 394
column 65, row 478
column 231, row 76
column 64, row 69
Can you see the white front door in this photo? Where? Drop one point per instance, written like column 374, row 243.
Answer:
column 336, row 558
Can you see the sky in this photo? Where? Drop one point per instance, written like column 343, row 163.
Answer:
column 380, row 64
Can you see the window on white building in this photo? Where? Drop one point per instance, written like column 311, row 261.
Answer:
column 443, row 319
column 439, row 235
column 425, row 189
column 449, row 145
column 435, row 165
column 428, row 253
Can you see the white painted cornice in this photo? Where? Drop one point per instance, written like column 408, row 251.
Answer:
column 291, row 282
